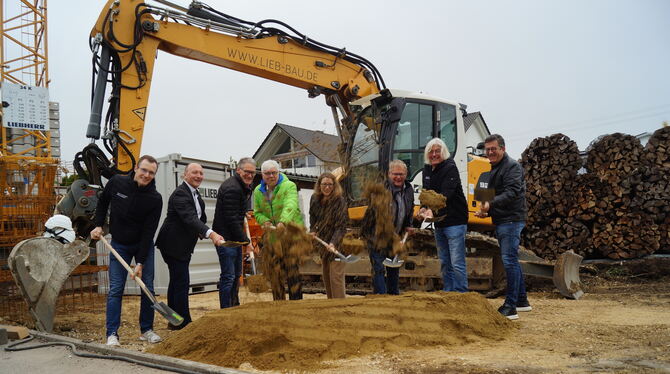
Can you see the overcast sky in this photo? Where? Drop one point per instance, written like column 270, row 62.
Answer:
column 533, row 68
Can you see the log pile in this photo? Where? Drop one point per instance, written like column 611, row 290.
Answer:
column 550, row 166
column 657, row 150
column 618, row 209
column 657, row 188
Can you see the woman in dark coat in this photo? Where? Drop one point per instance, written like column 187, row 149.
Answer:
column 328, row 220
column 441, row 175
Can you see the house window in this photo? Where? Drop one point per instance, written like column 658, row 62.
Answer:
column 285, row 147
column 299, row 162
column 311, row 160
column 286, row 164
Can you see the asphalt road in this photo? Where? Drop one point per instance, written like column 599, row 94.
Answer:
column 60, row 360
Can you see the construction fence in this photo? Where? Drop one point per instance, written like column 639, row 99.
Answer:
column 27, row 200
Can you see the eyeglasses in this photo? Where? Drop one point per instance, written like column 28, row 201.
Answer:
column 147, row 171
column 270, row 173
column 398, row 174
column 249, row 172
column 492, row 149
column 327, row 185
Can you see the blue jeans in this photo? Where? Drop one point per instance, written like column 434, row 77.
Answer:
column 384, row 280
column 451, row 250
column 509, row 235
column 117, row 283
column 230, row 260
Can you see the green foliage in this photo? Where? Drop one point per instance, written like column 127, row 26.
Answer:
column 68, row 179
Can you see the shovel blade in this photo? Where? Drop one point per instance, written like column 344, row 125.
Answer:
column 233, row 244
column 170, row 315
column 395, row 263
column 347, row 259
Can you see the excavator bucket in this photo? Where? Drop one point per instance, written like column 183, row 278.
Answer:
column 40, row 267
column 564, row 271
column 566, row 275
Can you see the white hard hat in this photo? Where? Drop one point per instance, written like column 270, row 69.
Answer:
column 59, row 227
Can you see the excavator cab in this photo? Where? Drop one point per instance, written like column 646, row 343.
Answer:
column 397, row 125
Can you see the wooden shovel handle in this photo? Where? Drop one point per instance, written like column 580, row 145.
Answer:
column 246, row 228
column 130, row 270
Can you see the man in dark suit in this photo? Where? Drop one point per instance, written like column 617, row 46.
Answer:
column 183, row 225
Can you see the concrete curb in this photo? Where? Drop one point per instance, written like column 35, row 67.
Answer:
column 172, row 362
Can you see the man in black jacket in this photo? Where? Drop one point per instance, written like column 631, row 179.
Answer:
column 508, row 211
column 184, row 224
column 232, row 204
column 134, row 211
column 385, row 279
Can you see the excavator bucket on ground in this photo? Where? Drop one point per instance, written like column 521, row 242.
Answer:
column 40, row 266
column 564, row 271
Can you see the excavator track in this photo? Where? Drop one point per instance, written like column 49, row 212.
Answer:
column 421, row 270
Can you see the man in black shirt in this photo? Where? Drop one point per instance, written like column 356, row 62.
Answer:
column 508, row 211
column 134, row 211
column 232, row 204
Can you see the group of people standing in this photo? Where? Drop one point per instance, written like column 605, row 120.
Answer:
column 135, row 206
column 440, row 174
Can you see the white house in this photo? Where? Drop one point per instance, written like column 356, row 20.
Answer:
column 300, row 151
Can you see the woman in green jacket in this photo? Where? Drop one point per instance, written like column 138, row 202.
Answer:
column 275, row 205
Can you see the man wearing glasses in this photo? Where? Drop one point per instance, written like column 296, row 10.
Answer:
column 134, row 211
column 232, row 203
column 385, row 279
column 508, row 211
column 276, row 204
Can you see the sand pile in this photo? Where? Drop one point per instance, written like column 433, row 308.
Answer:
column 301, row 335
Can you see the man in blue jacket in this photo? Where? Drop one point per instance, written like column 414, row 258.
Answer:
column 134, row 211
column 508, row 211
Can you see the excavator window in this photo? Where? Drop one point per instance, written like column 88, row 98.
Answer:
column 447, row 126
column 364, row 155
column 414, row 130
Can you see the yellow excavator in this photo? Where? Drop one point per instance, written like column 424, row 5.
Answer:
column 375, row 124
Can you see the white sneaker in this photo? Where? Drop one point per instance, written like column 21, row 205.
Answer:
column 150, row 336
column 113, row 341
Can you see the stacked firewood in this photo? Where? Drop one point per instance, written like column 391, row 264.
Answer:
column 657, row 150
column 653, row 187
column 618, row 208
column 551, row 165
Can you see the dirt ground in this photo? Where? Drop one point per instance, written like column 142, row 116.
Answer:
column 618, row 326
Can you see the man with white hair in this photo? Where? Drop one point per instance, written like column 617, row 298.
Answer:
column 276, row 204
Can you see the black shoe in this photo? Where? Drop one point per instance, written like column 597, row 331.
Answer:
column 523, row 306
column 508, row 311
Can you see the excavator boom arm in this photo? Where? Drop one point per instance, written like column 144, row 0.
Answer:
column 129, row 34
